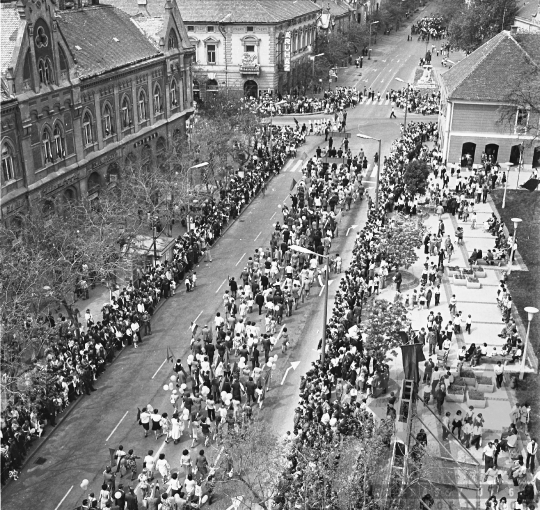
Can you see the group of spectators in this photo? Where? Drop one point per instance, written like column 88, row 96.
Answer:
column 426, row 103
column 77, row 347
column 429, row 27
column 334, row 394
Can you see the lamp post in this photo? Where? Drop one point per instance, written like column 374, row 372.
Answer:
column 301, row 249
column 520, row 166
column 516, row 222
column 370, row 25
column 366, row 137
column 531, row 310
column 406, row 102
column 312, row 58
column 269, row 123
column 509, row 165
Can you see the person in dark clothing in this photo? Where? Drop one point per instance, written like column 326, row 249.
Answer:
column 397, row 280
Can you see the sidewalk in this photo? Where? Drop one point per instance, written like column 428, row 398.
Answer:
column 486, row 325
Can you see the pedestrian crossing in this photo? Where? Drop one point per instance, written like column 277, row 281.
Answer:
column 382, row 102
column 294, row 165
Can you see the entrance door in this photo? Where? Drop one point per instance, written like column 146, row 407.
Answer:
column 492, row 151
column 536, row 157
column 251, row 89
column 467, row 153
column 515, row 153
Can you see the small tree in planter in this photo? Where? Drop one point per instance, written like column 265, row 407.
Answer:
column 459, row 381
column 476, row 398
column 399, row 244
column 469, row 377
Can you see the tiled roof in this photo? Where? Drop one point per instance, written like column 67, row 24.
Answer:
column 10, row 24
column 153, row 8
column 336, row 9
column 484, row 74
column 529, row 9
column 94, row 30
column 244, row 11
column 151, row 27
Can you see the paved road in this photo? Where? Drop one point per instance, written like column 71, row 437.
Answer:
column 79, row 448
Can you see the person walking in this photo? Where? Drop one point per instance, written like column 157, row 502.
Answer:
column 393, row 113
column 532, row 448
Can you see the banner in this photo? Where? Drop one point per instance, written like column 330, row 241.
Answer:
column 287, row 52
column 412, row 355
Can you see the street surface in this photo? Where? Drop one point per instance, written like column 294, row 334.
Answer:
column 78, row 449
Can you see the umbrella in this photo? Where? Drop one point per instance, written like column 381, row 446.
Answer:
column 531, row 184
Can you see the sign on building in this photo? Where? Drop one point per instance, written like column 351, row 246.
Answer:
column 287, row 52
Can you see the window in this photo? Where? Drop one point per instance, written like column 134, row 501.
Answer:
column 107, row 121
column 249, row 29
column 8, row 163
column 45, row 71
column 190, row 28
column 173, row 40
column 126, row 117
column 522, row 120
column 142, row 106
column 63, row 59
column 212, row 86
column 59, row 142
column 88, row 136
column 210, row 29
column 174, row 94
column 211, row 53
column 158, row 107
column 46, row 141
column 41, row 72
column 250, row 48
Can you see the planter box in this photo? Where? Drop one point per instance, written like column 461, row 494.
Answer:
column 467, row 272
column 485, row 385
column 479, row 272
column 469, row 378
column 453, row 270
column 473, row 283
column 456, row 397
column 477, row 404
column 459, row 280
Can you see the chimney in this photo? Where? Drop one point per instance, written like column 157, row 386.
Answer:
column 514, row 30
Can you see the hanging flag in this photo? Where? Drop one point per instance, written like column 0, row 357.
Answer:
column 531, row 184
column 295, row 121
column 138, row 415
column 293, row 184
column 112, row 451
column 170, row 356
column 412, row 355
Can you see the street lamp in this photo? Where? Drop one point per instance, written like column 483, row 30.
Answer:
column 516, row 222
column 509, row 165
column 312, row 58
column 366, row 137
column 531, row 310
column 301, row 249
column 370, row 25
column 406, row 102
column 194, row 167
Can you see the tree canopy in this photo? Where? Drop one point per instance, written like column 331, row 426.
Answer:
column 415, row 177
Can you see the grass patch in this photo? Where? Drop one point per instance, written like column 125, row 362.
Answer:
column 484, row 380
column 525, row 285
column 459, row 381
column 456, row 390
column 469, row 374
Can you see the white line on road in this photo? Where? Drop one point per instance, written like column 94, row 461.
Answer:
column 222, row 283
column 156, row 456
column 240, row 260
column 322, row 289
column 196, row 318
column 255, row 240
column 348, row 230
column 164, row 361
column 272, row 215
column 121, row 420
column 64, row 498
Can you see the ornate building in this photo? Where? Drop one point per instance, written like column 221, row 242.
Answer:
column 85, row 89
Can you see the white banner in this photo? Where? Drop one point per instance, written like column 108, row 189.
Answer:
column 287, row 52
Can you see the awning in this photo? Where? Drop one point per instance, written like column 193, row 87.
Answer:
column 253, row 70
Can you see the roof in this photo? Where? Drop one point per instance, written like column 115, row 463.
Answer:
column 337, row 9
column 151, row 27
column 10, row 24
column 91, row 35
column 244, row 11
column 152, row 8
column 481, row 75
column 529, row 9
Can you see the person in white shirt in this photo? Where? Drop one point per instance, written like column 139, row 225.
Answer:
column 499, row 374
column 150, row 464
column 532, row 448
column 174, row 485
column 144, row 420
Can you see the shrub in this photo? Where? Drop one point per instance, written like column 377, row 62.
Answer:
column 456, row 390
column 476, row 395
column 484, row 380
column 415, row 177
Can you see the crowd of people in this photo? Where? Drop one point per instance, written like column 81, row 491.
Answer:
column 77, row 348
column 429, row 27
column 426, row 103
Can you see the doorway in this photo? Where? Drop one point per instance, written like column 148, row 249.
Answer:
column 251, row 89
column 467, row 153
column 492, row 151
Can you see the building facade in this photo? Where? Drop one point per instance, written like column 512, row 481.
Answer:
column 86, row 89
column 477, row 114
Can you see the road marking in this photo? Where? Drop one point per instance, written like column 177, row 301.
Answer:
column 223, row 283
column 121, row 420
column 165, row 361
column 272, row 215
column 253, row 241
column 64, row 498
column 240, row 259
column 160, row 450
column 198, row 316
column 294, row 366
column 296, row 165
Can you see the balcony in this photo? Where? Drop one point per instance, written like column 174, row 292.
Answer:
column 253, row 70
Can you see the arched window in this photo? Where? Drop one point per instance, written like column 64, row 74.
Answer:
column 212, row 86
column 59, row 142
column 41, row 72
column 142, row 106
column 63, row 59
column 196, row 90
column 28, row 75
column 158, row 106
column 46, row 141
column 174, row 94
column 9, row 169
column 126, row 114
column 88, row 132
column 173, row 39
column 108, row 129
